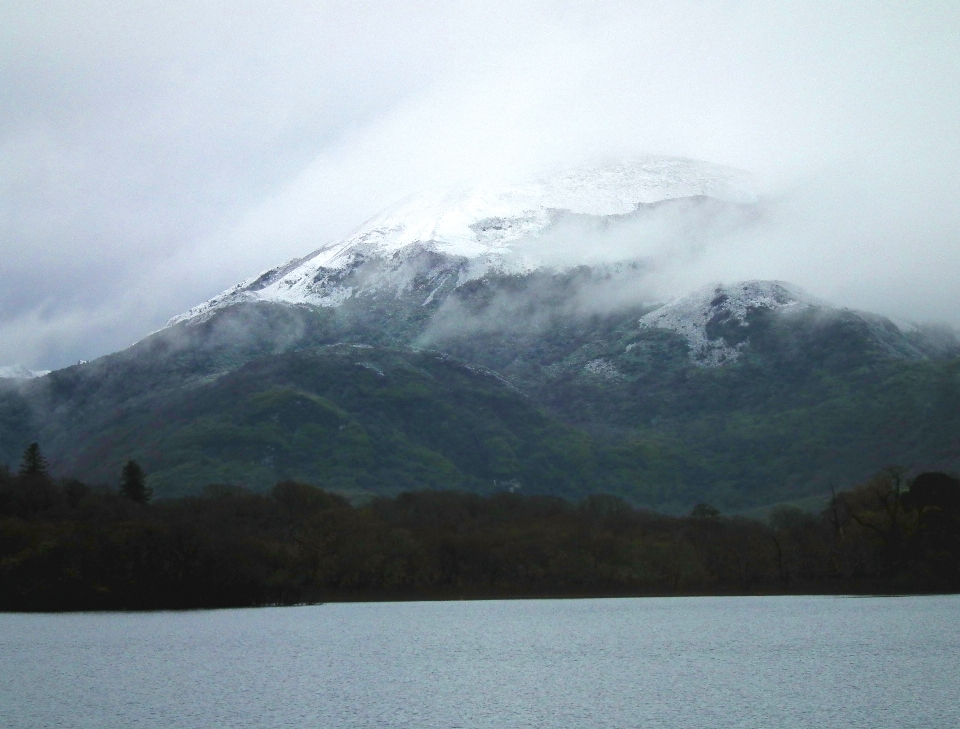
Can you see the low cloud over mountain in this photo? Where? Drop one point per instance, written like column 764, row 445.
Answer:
column 152, row 157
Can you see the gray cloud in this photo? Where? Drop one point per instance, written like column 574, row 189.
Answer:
column 150, row 156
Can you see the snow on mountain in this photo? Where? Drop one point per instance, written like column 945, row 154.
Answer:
column 19, row 372
column 699, row 315
column 463, row 234
column 715, row 322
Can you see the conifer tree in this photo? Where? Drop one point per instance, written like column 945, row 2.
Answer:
column 705, row 511
column 133, row 483
column 34, row 464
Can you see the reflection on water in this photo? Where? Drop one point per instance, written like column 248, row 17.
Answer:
column 654, row 662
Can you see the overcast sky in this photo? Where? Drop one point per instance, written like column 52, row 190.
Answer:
column 152, row 154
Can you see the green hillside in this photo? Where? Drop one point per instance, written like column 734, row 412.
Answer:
column 583, row 400
column 814, row 402
column 353, row 419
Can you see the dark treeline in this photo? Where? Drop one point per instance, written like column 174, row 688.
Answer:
column 66, row 546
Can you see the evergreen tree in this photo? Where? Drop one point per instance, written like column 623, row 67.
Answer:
column 133, row 483
column 34, row 464
column 705, row 511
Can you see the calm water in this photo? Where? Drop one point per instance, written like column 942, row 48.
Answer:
column 671, row 662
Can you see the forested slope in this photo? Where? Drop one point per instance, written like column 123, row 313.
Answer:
column 64, row 546
column 815, row 397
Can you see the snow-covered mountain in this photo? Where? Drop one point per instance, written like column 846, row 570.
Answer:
column 531, row 252
column 443, row 239
column 545, row 285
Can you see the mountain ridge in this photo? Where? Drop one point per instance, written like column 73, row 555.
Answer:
column 741, row 394
column 470, row 233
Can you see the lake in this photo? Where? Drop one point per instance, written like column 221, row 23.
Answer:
column 651, row 662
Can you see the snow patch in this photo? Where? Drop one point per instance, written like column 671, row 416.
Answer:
column 373, row 367
column 713, row 318
column 602, row 368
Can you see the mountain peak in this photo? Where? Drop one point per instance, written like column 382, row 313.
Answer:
column 461, row 234
column 478, row 220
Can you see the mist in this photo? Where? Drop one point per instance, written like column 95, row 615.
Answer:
column 151, row 157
